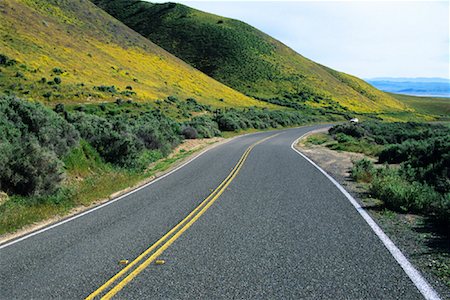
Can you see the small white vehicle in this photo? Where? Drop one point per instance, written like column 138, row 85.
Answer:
column 354, row 120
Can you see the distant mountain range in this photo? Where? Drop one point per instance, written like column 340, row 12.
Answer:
column 437, row 87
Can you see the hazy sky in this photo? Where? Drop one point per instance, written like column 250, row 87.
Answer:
column 363, row 38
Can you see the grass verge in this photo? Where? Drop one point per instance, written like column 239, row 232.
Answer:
column 88, row 181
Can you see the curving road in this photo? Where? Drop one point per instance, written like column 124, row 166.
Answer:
column 275, row 227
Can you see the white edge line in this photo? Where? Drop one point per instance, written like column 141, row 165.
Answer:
column 26, row 236
column 419, row 281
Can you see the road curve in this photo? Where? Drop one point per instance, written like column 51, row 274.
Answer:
column 278, row 229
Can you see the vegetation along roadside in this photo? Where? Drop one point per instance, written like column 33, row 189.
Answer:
column 101, row 148
column 400, row 172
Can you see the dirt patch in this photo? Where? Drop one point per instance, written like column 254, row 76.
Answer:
column 424, row 247
column 185, row 146
column 189, row 145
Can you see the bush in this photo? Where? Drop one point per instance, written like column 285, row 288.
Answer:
column 189, row 133
column 59, row 108
column 353, row 130
column 33, row 139
column 425, row 160
column 37, row 121
column 106, row 89
column 227, row 122
column 172, row 99
column 402, row 195
column 57, row 71
column 57, row 80
column 113, row 140
column 362, row 170
column 6, row 61
column 30, row 170
column 205, row 126
column 343, row 138
column 121, row 140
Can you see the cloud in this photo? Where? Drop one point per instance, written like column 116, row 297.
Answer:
column 364, row 38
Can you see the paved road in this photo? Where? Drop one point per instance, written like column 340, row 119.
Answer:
column 279, row 230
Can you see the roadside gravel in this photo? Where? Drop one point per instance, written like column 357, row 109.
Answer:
column 424, row 247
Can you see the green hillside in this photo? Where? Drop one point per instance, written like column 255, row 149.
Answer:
column 247, row 59
column 436, row 106
column 72, row 51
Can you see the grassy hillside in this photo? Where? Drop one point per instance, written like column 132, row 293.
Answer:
column 246, row 59
column 71, row 51
column 436, row 106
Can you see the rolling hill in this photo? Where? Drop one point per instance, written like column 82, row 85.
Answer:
column 71, row 51
column 247, row 59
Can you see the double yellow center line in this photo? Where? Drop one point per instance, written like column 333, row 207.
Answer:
column 148, row 256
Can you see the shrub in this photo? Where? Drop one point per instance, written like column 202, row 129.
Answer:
column 227, row 122
column 57, row 71
column 121, row 140
column 42, row 123
column 205, row 126
column 112, row 140
column 189, row 133
column 402, row 195
column 30, row 170
column 353, row 130
column 59, row 108
column 343, row 138
column 172, row 99
column 3, row 59
column 362, row 170
column 57, row 80
column 107, row 89
column 6, row 61
column 32, row 141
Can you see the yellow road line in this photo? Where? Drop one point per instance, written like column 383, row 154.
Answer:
column 204, row 205
column 146, row 252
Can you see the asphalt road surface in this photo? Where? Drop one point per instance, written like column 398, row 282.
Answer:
column 275, row 228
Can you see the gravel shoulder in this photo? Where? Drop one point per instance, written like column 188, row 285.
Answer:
column 428, row 250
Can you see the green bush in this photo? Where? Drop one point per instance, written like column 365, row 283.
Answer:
column 33, row 139
column 121, row 139
column 106, row 89
column 354, row 130
column 344, row 138
column 205, row 126
column 402, row 195
column 57, row 71
column 33, row 119
column 113, row 140
column 30, row 170
column 227, row 122
column 189, row 133
column 6, row 61
column 362, row 170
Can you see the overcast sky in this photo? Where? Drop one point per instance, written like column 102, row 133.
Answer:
column 364, row 38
